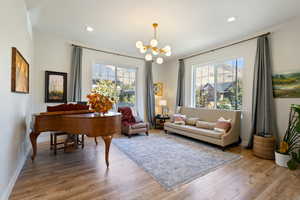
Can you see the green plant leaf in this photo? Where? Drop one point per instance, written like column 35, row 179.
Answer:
column 292, row 164
column 294, row 155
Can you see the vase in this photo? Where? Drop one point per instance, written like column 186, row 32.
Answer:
column 282, row 159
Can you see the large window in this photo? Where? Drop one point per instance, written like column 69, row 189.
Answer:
column 124, row 78
column 218, row 85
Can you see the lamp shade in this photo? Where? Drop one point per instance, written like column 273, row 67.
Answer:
column 163, row 102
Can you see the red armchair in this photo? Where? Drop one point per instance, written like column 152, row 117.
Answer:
column 130, row 125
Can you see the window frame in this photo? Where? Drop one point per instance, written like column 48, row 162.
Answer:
column 214, row 63
column 116, row 77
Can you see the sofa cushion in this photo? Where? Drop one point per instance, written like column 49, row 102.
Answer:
column 223, row 125
column 191, row 121
column 139, row 125
column 195, row 130
column 205, row 125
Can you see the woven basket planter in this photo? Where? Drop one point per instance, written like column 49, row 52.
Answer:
column 264, row 147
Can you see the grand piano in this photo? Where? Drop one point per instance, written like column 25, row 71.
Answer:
column 77, row 122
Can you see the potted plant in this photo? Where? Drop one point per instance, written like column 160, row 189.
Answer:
column 291, row 140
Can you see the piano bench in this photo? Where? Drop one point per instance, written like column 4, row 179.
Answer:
column 54, row 144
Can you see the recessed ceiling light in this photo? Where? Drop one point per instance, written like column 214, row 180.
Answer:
column 89, row 29
column 231, row 19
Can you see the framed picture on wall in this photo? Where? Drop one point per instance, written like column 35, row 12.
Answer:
column 55, row 87
column 19, row 73
column 286, row 85
column 158, row 89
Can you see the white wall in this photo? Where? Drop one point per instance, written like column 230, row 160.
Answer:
column 52, row 53
column 15, row 108
column 285, row 48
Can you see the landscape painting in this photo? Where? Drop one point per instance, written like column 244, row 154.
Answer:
column 20, row 73
column 286, row 85
column 56, row 87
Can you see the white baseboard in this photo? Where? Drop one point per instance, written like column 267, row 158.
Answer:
column 14, row 178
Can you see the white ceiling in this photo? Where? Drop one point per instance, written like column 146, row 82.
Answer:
column 187, row 25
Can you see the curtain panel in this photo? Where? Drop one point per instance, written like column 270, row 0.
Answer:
column 180, row 84
column 150, row 99
column 76, row 75
column 262, row 122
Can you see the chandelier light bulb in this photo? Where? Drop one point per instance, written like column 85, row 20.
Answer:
column 159, row 60
column 154, row 52
column 148, row 57
column 153, row 42
column 167, row 48
column 139, row 44
column 143, row 49
column 168, row 53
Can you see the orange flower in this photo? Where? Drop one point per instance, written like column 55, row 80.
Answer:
column 99, row 103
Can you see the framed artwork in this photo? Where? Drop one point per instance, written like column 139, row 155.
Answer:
column 158, row 89
column 286, row 85
column 19, row 73
column 55, row 87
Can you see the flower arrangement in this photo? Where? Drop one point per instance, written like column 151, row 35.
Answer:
column 103, row 96
column 99, row 103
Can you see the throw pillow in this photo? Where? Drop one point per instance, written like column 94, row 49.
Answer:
column 179, row 119
column 205, row 125
column 223, row 125
column 172, row 117
column 191, row 121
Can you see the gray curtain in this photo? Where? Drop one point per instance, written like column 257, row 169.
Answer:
column 76, row 75
column 180, row 84
column 150, row 100
column 262, row 100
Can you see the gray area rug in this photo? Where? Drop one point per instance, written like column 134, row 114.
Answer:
column 173, row 160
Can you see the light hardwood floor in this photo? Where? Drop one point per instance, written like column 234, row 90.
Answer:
column 83, row 175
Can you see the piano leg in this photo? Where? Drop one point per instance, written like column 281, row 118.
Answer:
column 33, row 138
column 107, row 141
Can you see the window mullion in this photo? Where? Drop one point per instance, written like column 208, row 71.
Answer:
column 215, row 86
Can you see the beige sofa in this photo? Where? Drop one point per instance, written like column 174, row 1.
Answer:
column 211, row 136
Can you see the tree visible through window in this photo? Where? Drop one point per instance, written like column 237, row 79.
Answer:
column 219, row 85
column 124, row 79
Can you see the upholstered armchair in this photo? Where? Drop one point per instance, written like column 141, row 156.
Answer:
column 130, row 124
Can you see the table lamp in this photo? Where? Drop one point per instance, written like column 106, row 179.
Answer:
column 163, row 104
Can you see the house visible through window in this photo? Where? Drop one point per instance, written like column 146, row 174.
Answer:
column 218, row 85
column 124, row 78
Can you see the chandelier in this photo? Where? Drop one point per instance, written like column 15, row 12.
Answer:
column 153, row 51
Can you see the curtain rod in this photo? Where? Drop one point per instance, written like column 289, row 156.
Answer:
column 225, row 46
column 107, row 52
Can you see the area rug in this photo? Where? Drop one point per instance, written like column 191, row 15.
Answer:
column 173, row 160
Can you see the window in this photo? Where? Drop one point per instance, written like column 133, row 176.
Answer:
column 124, row 78
column 218, row 85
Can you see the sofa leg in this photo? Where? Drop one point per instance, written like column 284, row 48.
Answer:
column 166, row 132
column 147, row 133
column 223, row 148
column 129, row 135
